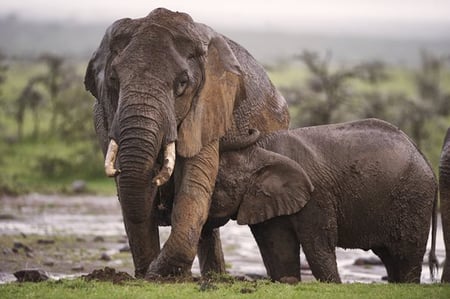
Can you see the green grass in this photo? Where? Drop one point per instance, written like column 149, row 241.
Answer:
column 79, row 288
column 52, row 166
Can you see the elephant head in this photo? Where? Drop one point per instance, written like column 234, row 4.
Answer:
column 167, row 73
column 256, row 184
column 158, row 80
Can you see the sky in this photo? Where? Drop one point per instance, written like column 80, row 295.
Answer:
column 281, row 14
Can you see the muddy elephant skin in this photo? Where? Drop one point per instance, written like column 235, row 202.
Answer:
column 361, row 184
column 444, row 195
column 169, row 91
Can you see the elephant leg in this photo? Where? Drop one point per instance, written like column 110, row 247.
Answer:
column 444, row 190
column 190, row 211
column 400, row 269
column 210, row 254
column 388, row 262
column 445, row 217
column 410, row 270
column 279, row 247
column 321, row 260
column 317, row 232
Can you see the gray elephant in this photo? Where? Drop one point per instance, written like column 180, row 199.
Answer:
column 360, row 184
column 169, row 88
column 444, row 195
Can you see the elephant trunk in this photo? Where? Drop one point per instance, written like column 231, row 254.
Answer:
column 142, row 132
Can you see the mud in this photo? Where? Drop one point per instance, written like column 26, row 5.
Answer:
column 72, row 236
column 108, row 274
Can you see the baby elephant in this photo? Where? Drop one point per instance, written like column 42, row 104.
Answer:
column 361, row 184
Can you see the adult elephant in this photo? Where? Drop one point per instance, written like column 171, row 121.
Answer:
column 361, row 184
column 444, row 195
column 164, row 82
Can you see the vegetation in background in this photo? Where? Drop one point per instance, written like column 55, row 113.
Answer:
column 48, row 139
column 415, row 100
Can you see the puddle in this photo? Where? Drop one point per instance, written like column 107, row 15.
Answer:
column 88, row 216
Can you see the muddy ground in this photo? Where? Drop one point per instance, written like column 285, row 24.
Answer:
column 69, row 236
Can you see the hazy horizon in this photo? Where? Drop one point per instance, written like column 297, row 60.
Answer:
column 394, row 19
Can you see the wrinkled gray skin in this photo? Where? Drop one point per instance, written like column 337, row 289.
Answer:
column 360, row 184
column 165, row 78
column 444, row 194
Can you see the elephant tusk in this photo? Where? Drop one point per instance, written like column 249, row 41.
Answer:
column 110, row 159
column 169, row 163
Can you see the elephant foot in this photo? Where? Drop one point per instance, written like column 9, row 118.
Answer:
column 289, row 280
column 162, row 268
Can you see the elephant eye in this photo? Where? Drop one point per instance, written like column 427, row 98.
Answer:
column 180, row 84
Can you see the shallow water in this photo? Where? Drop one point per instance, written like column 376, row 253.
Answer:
column 95, row 215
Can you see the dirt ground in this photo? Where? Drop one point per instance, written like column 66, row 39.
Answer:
column 69, row 236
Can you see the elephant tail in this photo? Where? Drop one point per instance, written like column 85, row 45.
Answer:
column 432, row 259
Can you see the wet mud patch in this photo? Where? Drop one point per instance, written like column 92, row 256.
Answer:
column 108, row 274
column 71, row 236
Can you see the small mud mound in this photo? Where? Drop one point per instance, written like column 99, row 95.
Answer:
column 108, row 274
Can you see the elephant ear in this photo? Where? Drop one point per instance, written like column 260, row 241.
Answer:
column 97, row 72
column 211, row 112
column 279, row 187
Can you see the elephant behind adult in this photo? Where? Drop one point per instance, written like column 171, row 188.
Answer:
column 361, row 184
column 160, row 80
column 444, row 195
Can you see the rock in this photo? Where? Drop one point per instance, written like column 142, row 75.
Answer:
column 7, row 251
column 79, row 186
column 124, row 239
column 20, row 245
column 371, row 261
column 7, row 217
column 31, row 275
column 78, row 268
column 125, row 248
column 99, row 239
column 44, row 241
column 105, row 257
column 48, row 263
column 304, row 266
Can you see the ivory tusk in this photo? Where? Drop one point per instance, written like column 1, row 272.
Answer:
column 110, row 159
column 169, row 164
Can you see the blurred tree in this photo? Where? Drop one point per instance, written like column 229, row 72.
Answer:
column 32, row 98
column 328, row 96
column 75, row 109
column 432, row 100
column 3, row 69
column 429, row 82
column 331, row 85
column 58, row 78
